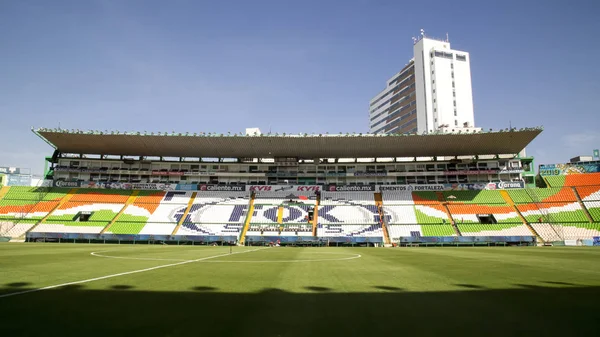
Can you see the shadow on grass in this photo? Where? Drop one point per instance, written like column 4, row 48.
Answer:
column 470, row 286
column 77, row 311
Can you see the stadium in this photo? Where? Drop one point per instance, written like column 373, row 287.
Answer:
column 423, row 221
column 148, row 230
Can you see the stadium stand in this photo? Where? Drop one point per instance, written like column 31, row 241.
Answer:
column 348, row 214
column 555, row 213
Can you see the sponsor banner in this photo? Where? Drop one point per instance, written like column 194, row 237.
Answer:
column 18, row 180
column 465, row 186
column 335, row 174
column 77, row 169
column 367, row 174
column 224, row 188
column 596, row 241
column 283, row 188
column 570, row 242
column 10, row 170
column 511, row 171
column 166, row 173
column 150, row 186
column 464, row 239
column 71, row 184
column 505, row 185
column 196, row 173
column 565, row 169
column 429, row 187
column 469, row 172
column 127, row 186
column 587, row 242
column 127, row 237
column 351, row 188
column 292, row 238
column 186, row 187
column 415, row 174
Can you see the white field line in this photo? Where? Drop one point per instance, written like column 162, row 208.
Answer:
column 125, row 273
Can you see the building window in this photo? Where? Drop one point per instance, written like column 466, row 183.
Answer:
column 451, row 65
column 452, row 74
column 461, row 57
column 455, row 122
column 455, row 113
column 452, row 84
column 435, row 120
column 454, row 103
column 434, row 109
column 432, row 72
column 453, row 93
column 434, row 100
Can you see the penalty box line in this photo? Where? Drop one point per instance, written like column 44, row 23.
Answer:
column 125, row 273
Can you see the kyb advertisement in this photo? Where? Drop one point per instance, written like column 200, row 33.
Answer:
column 283, row 188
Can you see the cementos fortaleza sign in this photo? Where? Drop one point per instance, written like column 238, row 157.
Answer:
column 128, row 186
column 283, row 188
column 430, row 187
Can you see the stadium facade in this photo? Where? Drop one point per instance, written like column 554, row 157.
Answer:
column 431, row 93
column 437, row 189
column 353, row 159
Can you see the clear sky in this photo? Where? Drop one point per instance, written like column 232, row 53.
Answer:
column 289, row 66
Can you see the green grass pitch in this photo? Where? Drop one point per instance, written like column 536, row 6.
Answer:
column 146, row 290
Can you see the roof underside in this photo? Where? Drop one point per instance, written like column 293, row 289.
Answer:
column 268, row 146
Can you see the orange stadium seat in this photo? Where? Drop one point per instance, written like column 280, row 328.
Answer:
column 585, row 179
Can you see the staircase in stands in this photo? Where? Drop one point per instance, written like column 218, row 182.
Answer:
column 379, row 204
column 242, row 238
column 585, row 210
column 509, row 201
column 129, row 201
column 3, row 191
column 442, row 201
column 62, row 201
column 185, row 214
column 315, row 221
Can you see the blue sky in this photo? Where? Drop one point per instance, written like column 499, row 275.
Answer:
column 301, row 66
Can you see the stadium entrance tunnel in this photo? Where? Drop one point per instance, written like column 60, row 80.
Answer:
column 204, row 311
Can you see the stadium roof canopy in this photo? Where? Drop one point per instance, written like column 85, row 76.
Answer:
column 300, row 146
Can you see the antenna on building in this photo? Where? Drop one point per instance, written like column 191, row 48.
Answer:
column 447, row 38
column 414, row 40
column 422, row 32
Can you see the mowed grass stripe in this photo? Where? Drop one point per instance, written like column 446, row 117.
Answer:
column 42, row 265
column 412, row 291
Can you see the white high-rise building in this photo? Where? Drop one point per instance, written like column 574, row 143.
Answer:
column 431, row 93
